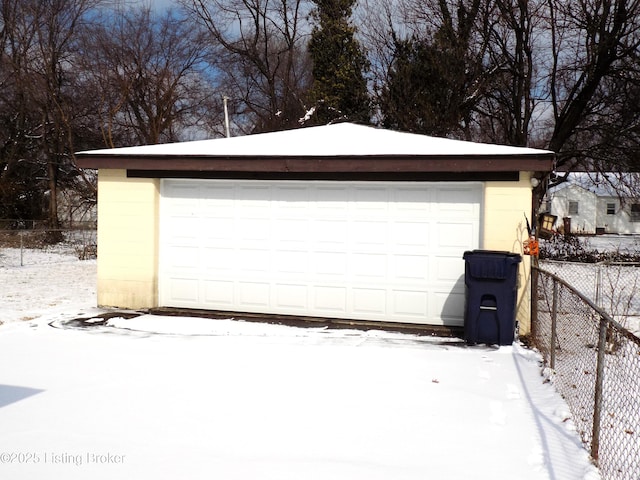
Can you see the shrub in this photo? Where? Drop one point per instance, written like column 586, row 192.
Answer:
column 571, row 248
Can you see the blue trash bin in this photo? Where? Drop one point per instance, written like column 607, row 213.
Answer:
column 491, row 291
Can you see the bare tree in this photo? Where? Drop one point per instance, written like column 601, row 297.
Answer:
column 592, row 46
column 508, row 110
column 20, row 194
column 259, row 50
column 149, row 77
column 39, row 40
column 556, row 74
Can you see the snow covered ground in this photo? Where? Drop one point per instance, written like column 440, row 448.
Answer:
column 613, row 287
column 615, row 243
column 166, row 398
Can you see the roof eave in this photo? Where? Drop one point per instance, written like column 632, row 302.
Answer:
column 542, row 162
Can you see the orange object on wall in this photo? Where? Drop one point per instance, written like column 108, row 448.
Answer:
column 531, row 247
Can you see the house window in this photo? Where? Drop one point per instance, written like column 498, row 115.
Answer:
column 635, row 212
column 611, row 208
column 573, row 208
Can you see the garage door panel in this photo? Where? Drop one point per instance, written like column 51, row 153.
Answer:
column 292, row 297
column 181, row 226
column 330, row 233
column 255, row 195
column 412, row 199
column 455, row 236
column 292, row 197
column 411, row 234
column 456, row 202
column 291, row 261
column 371, row 201
column 369, row 267
column 184, row 257
column 216, row 227
column 369, row 233
column 330, row 300
column 183, row 194
column 253, row 228
column 410, row 268
column 328, row 265
column 218, row 259
column 446, row 270
column 218, row 294
column 330, row 197
column 255, row 261
column 449, row 307
column 370, row 302
column 387, row 251
column 216, row 193
column 254, row 294
column 184, row 289
column 409, row 304
column 215, row 243
column 291, row 231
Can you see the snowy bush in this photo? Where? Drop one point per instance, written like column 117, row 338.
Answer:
column 572, row 248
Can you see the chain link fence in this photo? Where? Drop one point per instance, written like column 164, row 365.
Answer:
column 18, row 241
column 594, row 363
column 612, row 286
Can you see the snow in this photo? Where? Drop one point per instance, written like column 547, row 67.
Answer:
column 156, row 397
column 613, row 243
column 617, row 284
column 340, row 139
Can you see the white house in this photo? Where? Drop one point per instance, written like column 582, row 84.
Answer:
column 591, row 205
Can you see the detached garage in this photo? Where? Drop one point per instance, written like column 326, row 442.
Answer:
column 341, row 221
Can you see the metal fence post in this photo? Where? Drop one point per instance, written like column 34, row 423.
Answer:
column 597, row 404
column 534, row 301
column 554, row 316
column 598, row 293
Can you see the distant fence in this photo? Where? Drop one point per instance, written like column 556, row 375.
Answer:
column 80, row 240
column 13, row 225
column 594, row 363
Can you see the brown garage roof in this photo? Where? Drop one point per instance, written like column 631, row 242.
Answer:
column 338, row 149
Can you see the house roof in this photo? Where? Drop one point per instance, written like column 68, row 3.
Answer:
column 571, row 191
column 602, row 184
column 316, row 149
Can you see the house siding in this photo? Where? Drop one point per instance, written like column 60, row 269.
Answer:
column 592, row 217
column 505, row 229
column 127, row 240
column 585, row 221
column 620, row 222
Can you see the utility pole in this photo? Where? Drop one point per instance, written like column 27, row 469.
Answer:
column 226, row 116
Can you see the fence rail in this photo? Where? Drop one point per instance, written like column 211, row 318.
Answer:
column 81, row 241
column 612, row 286
column 594, row 363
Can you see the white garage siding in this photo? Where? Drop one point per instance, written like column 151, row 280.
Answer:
column 386, row 251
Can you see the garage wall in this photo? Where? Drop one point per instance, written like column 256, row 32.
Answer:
column 505, row 228
column 127, row 240
column 129, row 225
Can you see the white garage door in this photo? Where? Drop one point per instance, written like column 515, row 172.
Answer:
column 387, row 251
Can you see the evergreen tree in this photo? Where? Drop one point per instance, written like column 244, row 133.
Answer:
column 437, row 77
column 427, row 88
column 339, row 89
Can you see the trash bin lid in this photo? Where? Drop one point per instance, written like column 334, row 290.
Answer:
column 490, row 264
column 499, row 253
